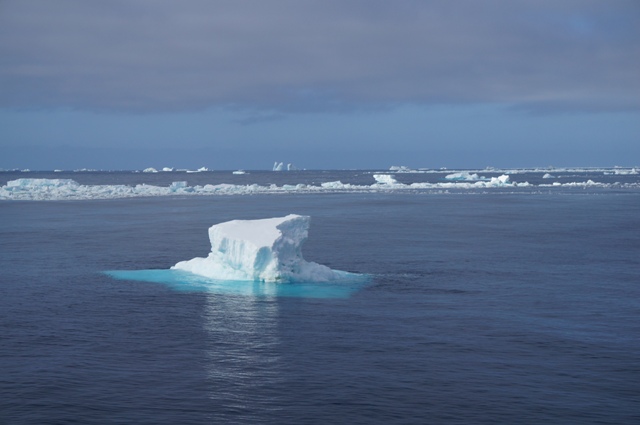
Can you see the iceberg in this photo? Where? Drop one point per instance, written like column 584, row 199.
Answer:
column 401, row 169
column 464, row 176
column 199, row 170
column 385, row 179
column 279, row 166
column 265, row 250
column 622, row 172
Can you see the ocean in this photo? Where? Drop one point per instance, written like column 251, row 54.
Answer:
column 489, row 300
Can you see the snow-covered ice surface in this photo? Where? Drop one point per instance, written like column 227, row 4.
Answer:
column 266, row 250
column 464, row 176
column 385, row 179
column 85, row 185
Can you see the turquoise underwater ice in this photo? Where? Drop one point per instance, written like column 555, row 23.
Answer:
column 180, row 280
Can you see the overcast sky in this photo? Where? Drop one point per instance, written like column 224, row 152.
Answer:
column 322, row 84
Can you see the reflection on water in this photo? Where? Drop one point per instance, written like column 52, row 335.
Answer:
column 248, row 380
column 184, row 281
column 244, row 366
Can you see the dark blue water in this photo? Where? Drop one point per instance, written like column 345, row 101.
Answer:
column 483, row 308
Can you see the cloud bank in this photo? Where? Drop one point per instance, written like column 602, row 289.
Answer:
column 292, row 55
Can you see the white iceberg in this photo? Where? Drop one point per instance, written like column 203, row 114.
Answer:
column 199, row 170
column 622, row 172
column 463, row 176
column 279, row 166
column 385, row 179
column 266, row 250
column 401, row 169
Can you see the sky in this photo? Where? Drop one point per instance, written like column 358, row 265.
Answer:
column 130, row 84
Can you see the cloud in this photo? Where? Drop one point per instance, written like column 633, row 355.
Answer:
column 291, row 55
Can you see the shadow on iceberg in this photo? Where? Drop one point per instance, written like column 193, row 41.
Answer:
column 255, row 257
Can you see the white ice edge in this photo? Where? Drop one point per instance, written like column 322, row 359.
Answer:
column 399, row 169
column 68, row 189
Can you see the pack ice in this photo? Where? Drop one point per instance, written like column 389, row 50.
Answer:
column 266, row 250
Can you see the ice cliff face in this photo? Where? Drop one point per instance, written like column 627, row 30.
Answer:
column 267, row 250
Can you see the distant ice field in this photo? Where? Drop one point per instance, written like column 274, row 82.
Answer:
column 84, row 185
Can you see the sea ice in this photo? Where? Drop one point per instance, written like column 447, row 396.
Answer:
column 385, row 179
column 266, row 250
column 199, row 170
column 622, row 172
column 401, row 169
column 66, row 189
column 463, row 176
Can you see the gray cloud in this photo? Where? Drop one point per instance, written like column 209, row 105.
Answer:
column 296, row 55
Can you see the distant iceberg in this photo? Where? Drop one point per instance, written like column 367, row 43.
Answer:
column 464, row 176
column 622, row 172
column 199, row 170
column 401, row 169
column 266, row 250
column 386, row 179
column 279, row 166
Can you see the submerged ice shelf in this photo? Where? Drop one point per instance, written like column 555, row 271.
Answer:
column 182, row 281
column 266, row 250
